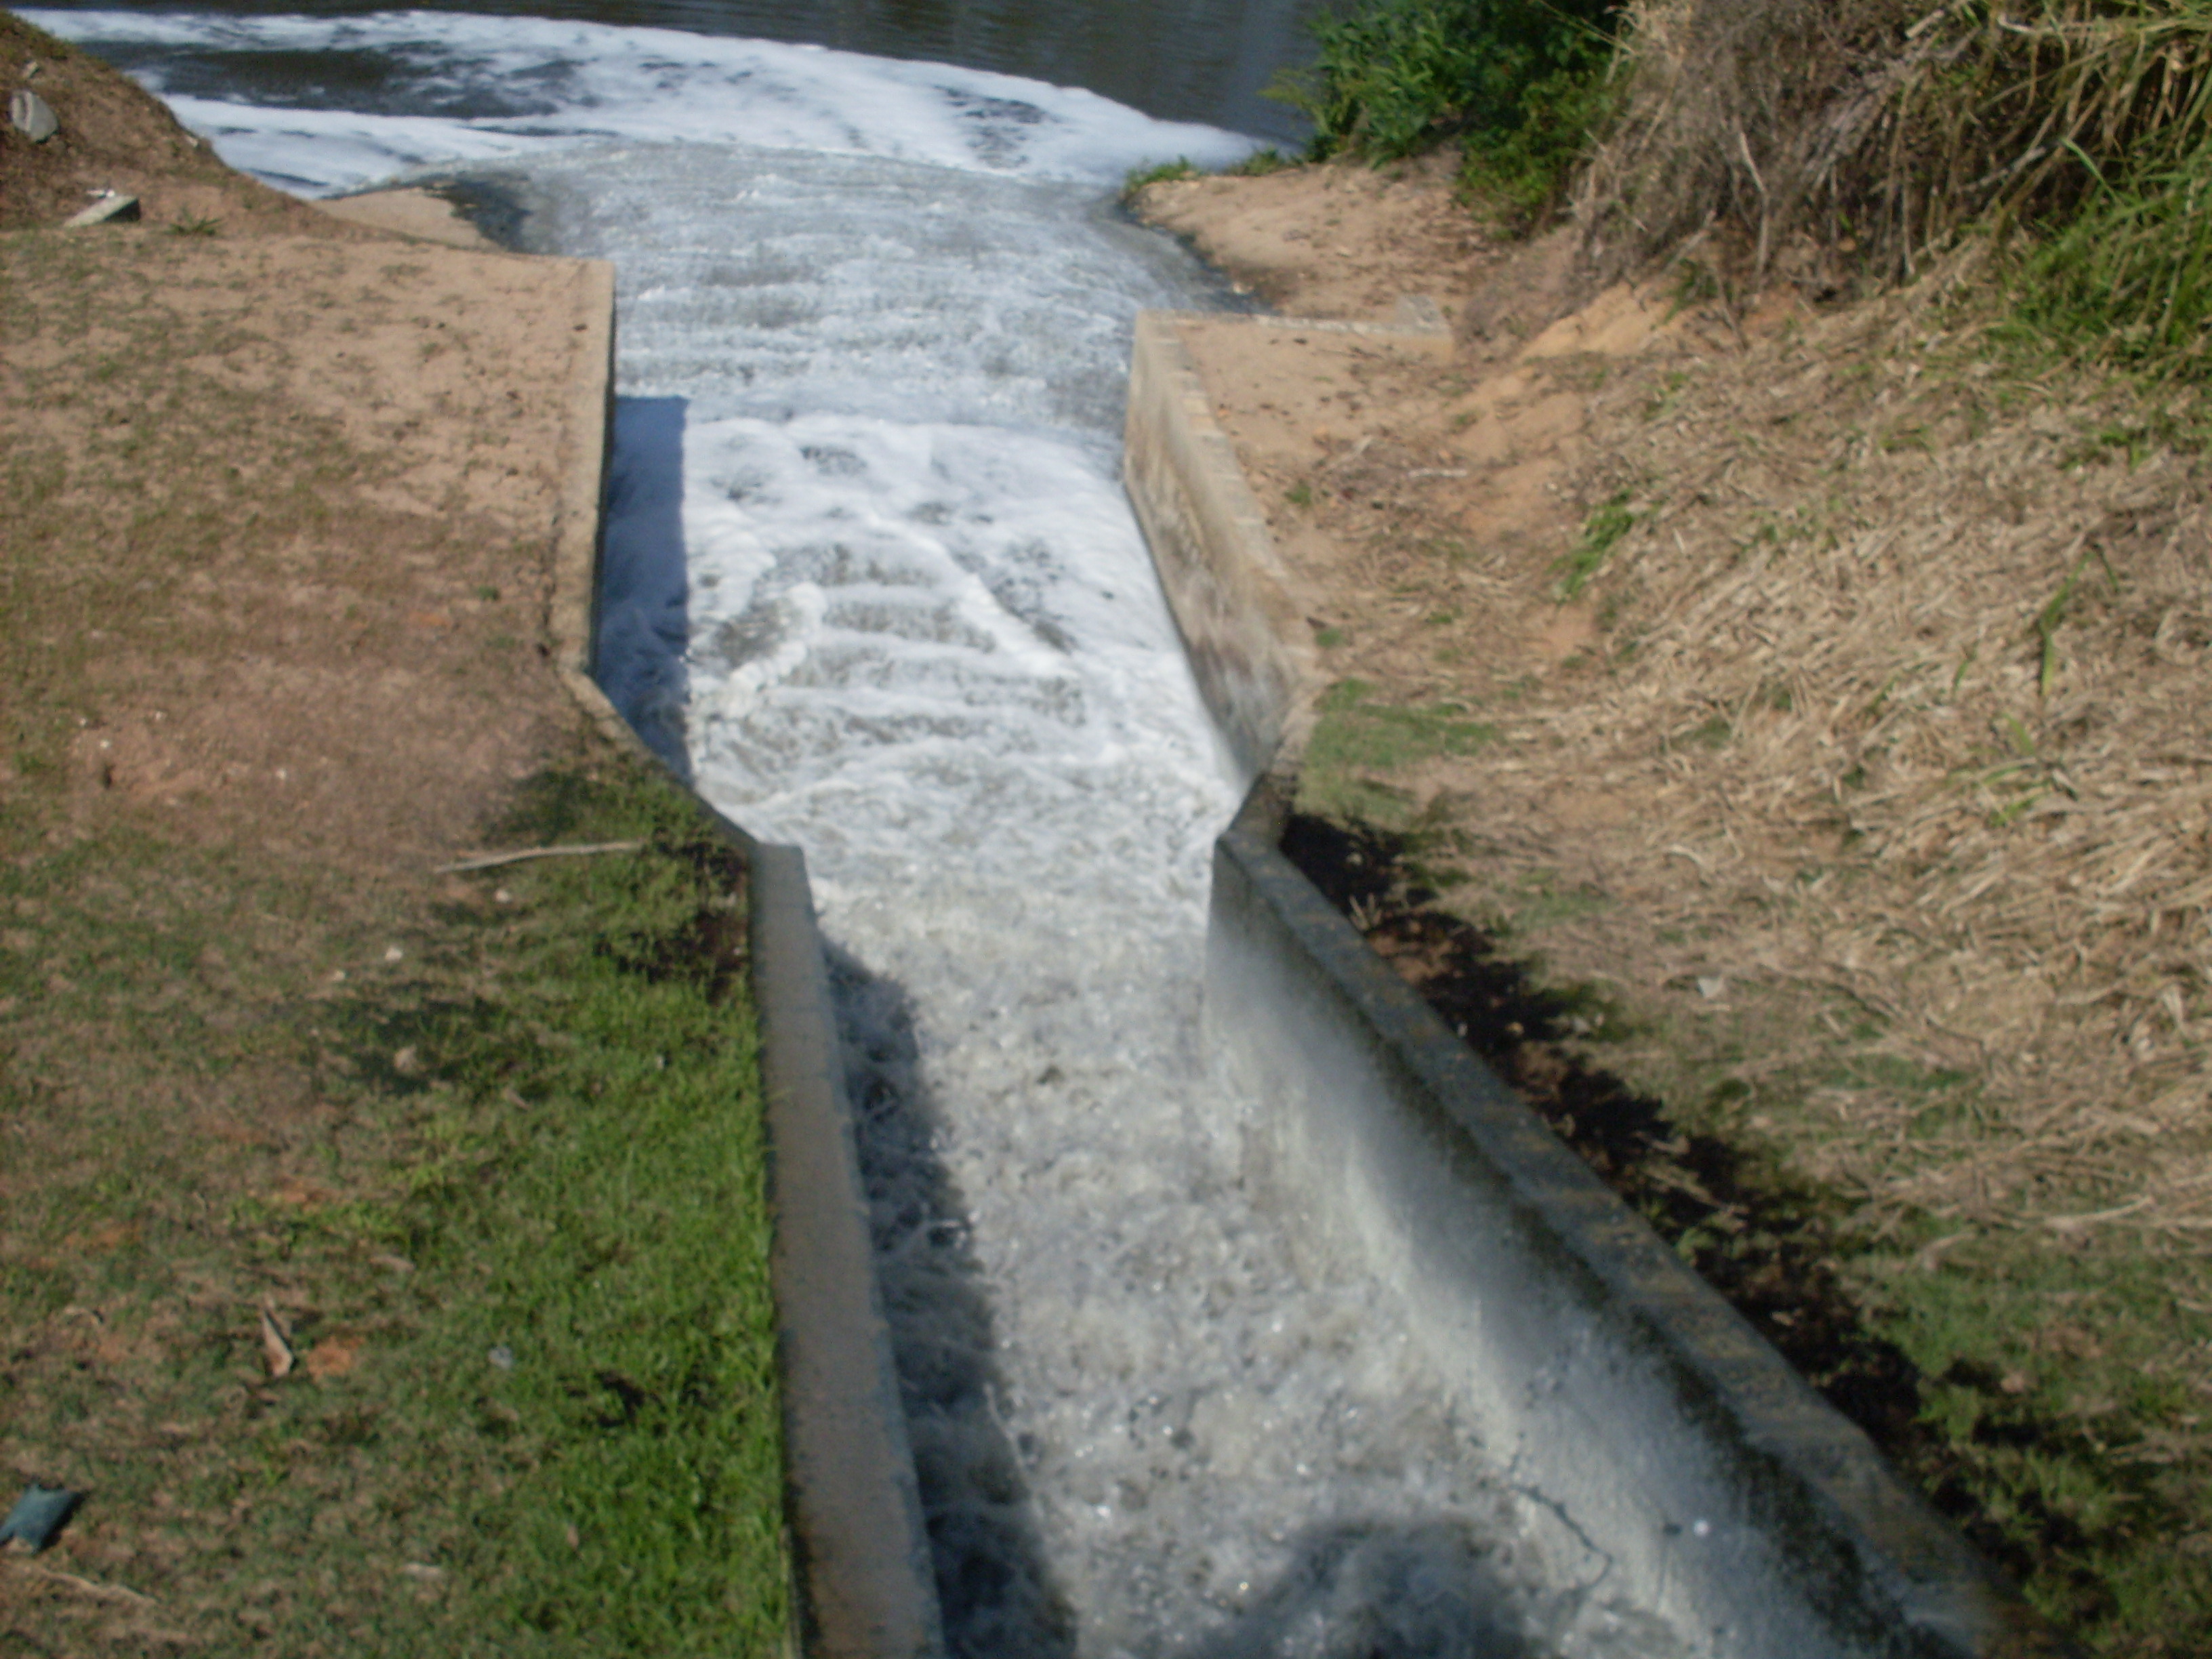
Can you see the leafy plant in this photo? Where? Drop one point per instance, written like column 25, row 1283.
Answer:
column 1521, row 82
column 1260, row 162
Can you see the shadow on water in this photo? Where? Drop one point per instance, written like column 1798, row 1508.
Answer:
column 1361, row 1591
column 998, row 1594
column 644, row 592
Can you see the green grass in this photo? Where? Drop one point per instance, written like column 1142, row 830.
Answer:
column 1357, row 745
column 2127, row 279
column 1260, row 162
column 610, row 1233
column 1601, row 532
column 1160, row 172
column 535, row 1137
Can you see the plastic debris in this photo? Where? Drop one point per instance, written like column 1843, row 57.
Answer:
column 275, row 1343
column 109, row 207
column 30, row 115
column 38, row 1514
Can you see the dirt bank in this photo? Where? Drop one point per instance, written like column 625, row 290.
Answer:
column 1808, row 697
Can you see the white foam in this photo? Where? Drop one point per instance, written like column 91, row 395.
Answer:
column 521, row 85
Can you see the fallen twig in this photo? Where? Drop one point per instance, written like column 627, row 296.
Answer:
column 491, row 860
column 102, row 1592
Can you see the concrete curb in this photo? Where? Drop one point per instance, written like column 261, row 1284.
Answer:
column 864, row 1586
column 1230, row 593
column 1625, row 1397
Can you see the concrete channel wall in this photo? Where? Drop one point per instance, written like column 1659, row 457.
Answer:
column 1625, row 1399
column 863, row 1584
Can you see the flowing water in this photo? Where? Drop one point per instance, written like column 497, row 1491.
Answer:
column 874, row 585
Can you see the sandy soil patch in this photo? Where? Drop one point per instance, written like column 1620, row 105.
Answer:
column 354, row 665
column 1340, row 240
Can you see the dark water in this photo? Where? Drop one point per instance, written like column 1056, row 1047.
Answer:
column 1182, row 60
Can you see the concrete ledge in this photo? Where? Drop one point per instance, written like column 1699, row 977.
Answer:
column 1622, row 1395
column 864, row 1584
column 866, row 1589
column 1230, row 593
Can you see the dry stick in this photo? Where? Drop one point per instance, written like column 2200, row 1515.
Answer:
column 489, row 860
column 103, row 1592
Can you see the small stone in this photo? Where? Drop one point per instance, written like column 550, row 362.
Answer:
column 38, row 1516
column 30, row 115
column 394, row 953
column 108, row 208
column 502, row 1357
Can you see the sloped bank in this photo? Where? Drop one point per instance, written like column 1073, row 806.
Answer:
column 1623, row 1392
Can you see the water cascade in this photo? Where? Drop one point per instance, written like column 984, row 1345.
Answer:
column 874, row 323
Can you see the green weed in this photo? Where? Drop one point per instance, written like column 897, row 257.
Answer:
column 524, row 1263
column 1358, row 745
column 1260, row 162
column 1601, row 532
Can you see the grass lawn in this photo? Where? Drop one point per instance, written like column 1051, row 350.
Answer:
column 383, row 1249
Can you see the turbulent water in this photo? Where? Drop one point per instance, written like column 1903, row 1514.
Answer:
column 876, row 587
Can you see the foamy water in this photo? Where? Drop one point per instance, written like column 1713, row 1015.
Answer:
column 874, row 321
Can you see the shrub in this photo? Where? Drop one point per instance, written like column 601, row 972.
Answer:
column 1521, row 82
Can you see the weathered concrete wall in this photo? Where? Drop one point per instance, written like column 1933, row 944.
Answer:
column 1627, row 1400
column 864, row 1587
column 1209, row 540
column 1622, row 1392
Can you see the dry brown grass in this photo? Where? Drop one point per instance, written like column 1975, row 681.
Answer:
column 1915, row 691
column 1821, row 140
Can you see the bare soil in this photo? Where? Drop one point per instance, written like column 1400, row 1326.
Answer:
column 1805, row 702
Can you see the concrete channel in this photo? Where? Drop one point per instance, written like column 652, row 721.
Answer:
column 1625, row 1397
